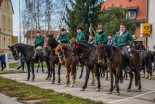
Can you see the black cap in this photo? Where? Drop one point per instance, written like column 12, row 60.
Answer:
column 62, row 29
column 78, row 27
column 38, row 32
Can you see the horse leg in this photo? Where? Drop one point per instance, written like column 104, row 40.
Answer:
column 38, row 67
column 117, row 76
column 59, row 67
column 111, row 81
column 93, row 78
column 28, row 67
column 73, row 68
column 107, row 74
column 42, row 65
column 81, row 72
column 138, row 77
column 53, row 72
column 68, row 75
column 49, row 70
column 130, row 83
column 86, row 80
column 32, row 67
column 98, row 79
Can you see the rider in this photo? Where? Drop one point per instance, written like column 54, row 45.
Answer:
column 63, row 37
column 110, row 39
column 91, row 40
column 101, row 37
column 121, row 40
column 80, row 34
column 38, row 43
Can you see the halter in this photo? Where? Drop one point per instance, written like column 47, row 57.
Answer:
column 14, row 49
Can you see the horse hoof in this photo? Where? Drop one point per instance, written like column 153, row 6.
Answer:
column 92, row 84
column 109, row 92
column 97, row 89
column 71, row 86
column 53, row 82
column 138, row 90
column 128, row 90
column 82, row 89
column 49, row 79
column 58, row 83
column 117, row 93
column 143, row 76
column 66, row 85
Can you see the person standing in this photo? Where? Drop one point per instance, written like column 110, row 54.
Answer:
column 63, row 37
column 124, row 40
column 2, row 59
column 22, row 61
column 80, row 34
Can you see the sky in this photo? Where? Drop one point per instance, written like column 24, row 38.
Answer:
column 15, row 4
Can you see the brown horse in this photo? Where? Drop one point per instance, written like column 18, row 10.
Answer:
column 64, row 53
column 113, row 57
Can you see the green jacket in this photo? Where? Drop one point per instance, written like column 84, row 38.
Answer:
column 103, row 38
column 39, row 41
column 63, row 38
column 80, row 36
column 124, row 39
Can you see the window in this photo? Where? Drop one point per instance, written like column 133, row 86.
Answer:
column 7, row 5
column 4, row 22
column 9, row 24
column 4, row 43
column 131, row 14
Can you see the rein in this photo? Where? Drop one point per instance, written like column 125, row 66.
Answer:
column 16, row 52
column 63, row 54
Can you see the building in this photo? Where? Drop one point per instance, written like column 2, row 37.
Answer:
column 137, row 12
column 151, row 20
column 34, row 35
column 6, row 25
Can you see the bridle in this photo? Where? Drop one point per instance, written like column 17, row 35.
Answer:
column 14, row 49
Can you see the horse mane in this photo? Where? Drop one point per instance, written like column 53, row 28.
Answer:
column 85, row 44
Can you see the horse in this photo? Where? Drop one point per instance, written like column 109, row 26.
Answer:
column 64, row 53
column 146, row 61
column 51, row 42
column 28, row 52
column 114, row 57
column 86, row 54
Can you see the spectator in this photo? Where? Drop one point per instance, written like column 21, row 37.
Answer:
column 2, row 59
column 22, row 61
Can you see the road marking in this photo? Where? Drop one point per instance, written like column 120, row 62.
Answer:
column 131, row 97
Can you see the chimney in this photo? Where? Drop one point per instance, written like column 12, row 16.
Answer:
column 129, row 0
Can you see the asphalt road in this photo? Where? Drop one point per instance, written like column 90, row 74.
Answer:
column 146, row 96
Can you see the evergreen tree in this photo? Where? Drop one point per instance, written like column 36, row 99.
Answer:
column 82, row 13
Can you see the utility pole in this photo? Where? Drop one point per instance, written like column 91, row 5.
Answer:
column 19, row 24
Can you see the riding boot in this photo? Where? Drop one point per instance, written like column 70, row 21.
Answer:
column 128, row 69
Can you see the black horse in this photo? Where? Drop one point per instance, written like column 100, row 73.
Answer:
column 146, row 62
column 86, row 54
column 28, row 52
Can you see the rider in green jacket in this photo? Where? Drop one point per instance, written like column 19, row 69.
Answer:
column 101, row 37
column 80, row 34
column 63, row 37
column 38, row 43
column 124, row 40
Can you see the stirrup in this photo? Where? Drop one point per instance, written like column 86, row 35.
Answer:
column 128, row 69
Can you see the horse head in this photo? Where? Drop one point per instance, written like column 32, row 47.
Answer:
column 51, row 41
column 14, row 51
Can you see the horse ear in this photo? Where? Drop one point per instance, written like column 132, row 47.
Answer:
column 9, row 46
column 52, row 35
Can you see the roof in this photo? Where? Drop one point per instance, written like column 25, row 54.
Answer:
column 10, row 3
column 139, row 5
column 1, row 2
column 132, row 8
column 43, row 33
